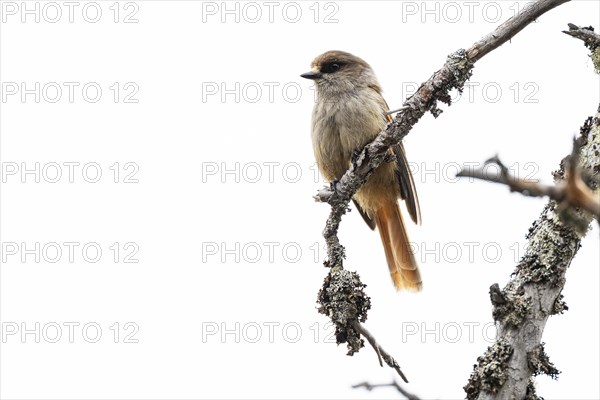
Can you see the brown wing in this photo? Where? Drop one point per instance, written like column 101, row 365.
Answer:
column 408, row 190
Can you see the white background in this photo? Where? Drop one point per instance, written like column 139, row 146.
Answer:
column 212, row 312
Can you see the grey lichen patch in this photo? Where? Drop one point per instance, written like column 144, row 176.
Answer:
column 551, row 247
column 595, row 56
column 515, row 308
column 530, row 393
column 496, row 295
column 589, row 143
column 559, row 306
column 342, row 298
column 539, row 362
column 489, row 374
column 461, row 70
column 336, row 256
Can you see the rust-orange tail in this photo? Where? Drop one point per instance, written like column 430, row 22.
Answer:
column 401, row 261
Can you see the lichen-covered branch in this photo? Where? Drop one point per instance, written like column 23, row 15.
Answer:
column 590, row 38
column 522, row 308
column 342, row 297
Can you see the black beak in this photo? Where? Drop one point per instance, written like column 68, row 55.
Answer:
column 312, row 75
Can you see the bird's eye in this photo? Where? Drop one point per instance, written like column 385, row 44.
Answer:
column 330, row 67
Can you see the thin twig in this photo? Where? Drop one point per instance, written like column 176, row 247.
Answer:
column 572, row 191
column 394, row 384
column 381, row 353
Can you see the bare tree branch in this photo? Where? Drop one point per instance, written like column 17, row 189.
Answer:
column 394, row 384
column 533, row 294
column 342, row 296
column 571, row 192
column 510, row 28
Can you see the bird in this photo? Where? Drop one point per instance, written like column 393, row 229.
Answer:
column 349, row 112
